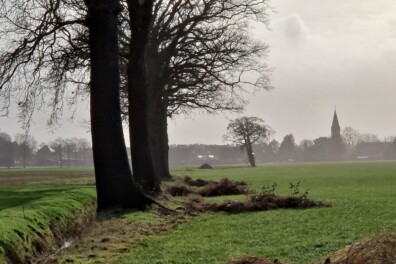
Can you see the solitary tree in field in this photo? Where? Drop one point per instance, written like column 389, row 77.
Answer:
column 245, row 132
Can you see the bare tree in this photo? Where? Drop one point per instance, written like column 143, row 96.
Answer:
column 140, row 20
column 26, row 146
column 45, row 50
column 43, row 53
column 351, row 137
column 114, row 183
column 58, row 145
column 245, row 132
column 68, row 148
column 368, row 137
column 83, row 146
column 8, row 149
column 198, row 56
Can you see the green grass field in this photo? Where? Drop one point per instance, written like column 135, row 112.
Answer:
column 363, row 197
column 29, row 209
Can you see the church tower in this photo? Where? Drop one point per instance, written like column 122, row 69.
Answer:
column 335, row 128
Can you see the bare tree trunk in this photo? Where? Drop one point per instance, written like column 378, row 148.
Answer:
column 142, row 161
column 114, row 183
column 159, row 136
column 60, row 157
column 138, row 95
column 162, row 133
column 250, row 154
column 10, row 154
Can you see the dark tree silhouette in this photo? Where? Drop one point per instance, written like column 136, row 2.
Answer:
column 245, row 132
column 165, row 81
column 197, row 56
column 45, row 55
column 8, row 148
column 287, row 148
column 114, row 182
column 140, row 19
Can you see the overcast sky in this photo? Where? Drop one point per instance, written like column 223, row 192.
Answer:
column 324, row 54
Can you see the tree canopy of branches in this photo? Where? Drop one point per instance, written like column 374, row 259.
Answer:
column 350, row 137
column 246, row 131
column 43, row 53
column 199, row 55
column 47, row 58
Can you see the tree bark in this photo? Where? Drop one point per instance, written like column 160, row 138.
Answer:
column 114, row 183
column 158, row 130
column 139, row 101
column 250, row 154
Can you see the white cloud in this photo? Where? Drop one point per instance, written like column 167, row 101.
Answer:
column 292, row 28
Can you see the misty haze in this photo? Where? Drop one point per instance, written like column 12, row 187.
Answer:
column 197, row 131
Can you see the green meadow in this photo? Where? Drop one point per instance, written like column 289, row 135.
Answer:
column 362, row 194
column 363, row 197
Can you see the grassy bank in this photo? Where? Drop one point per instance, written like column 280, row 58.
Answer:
column 34, row 218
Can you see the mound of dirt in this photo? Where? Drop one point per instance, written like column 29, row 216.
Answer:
column 179, row 189
column 205, row 166
column 374, row 250
column 197, row 183
column 223, row 187
column 262, row 202
column 252, row 260
column 207, row 188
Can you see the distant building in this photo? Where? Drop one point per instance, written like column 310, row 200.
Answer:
column 337, row 146
column 335, row 128
column 327, row 148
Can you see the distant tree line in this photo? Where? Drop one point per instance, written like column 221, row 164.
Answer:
column 358, row 146
column 23, row 151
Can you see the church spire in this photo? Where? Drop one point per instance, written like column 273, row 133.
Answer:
column 335, row 127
